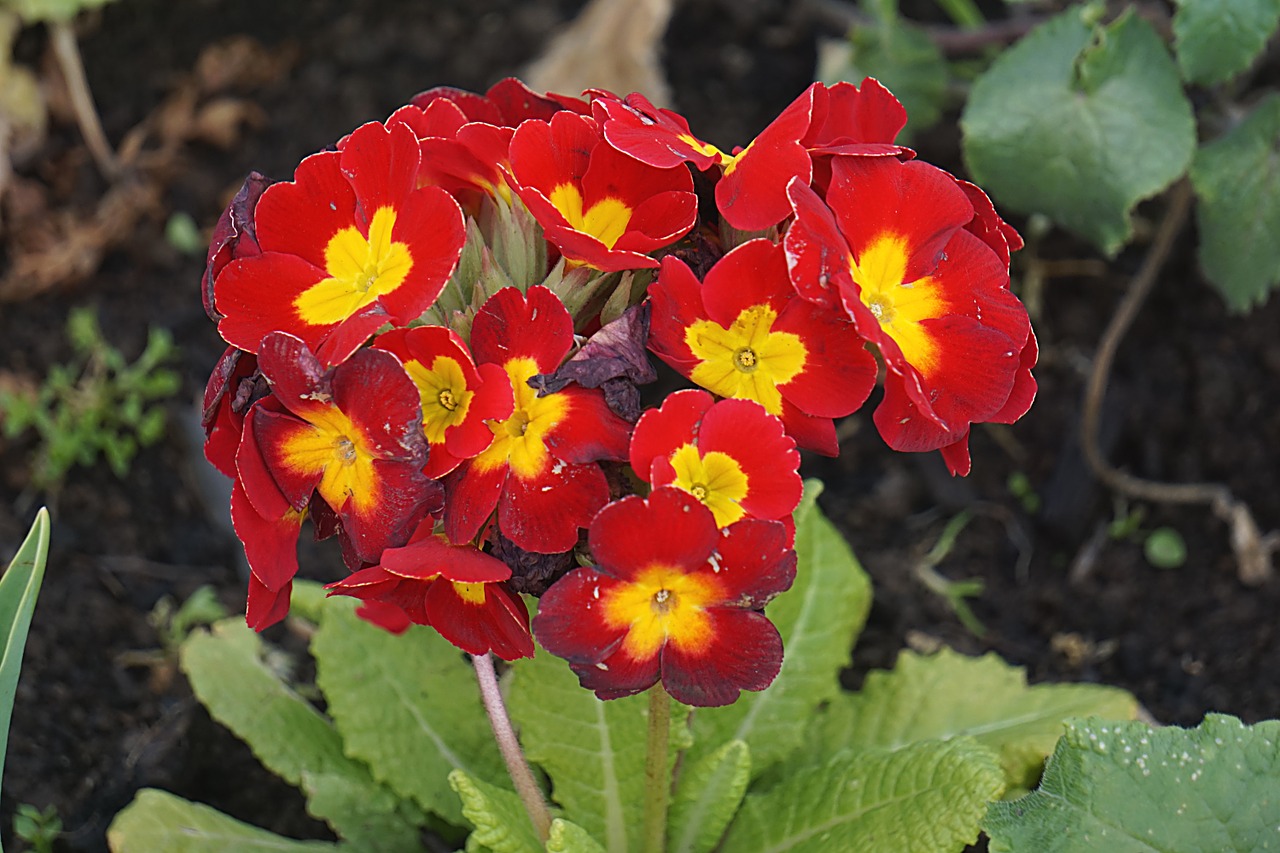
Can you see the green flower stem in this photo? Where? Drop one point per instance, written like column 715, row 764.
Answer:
column 657, row 775
column 526, row 786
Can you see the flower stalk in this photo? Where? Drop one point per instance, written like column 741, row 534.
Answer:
column 657, row 776
column 517, row 766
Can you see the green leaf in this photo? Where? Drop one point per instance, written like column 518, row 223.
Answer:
column 593, row 751
column 926, row 798
column 1080, row 123
column 51, row 11
column 1126, row 787
column 1237, row 180
column 950, row 695
column 290, row 737
column 18, row 590
column 819, row 617
column 1217, row 39
column 568, row 837
column 898, row 54
column 707, row 797
column 407, row 705
column 157, row 820
column 499, row 818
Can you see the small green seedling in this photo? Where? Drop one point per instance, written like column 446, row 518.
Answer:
column 38, row 828
column 96, row 405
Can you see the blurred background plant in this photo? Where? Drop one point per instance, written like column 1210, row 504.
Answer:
column 98, row 405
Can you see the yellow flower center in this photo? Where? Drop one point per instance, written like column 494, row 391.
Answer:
column 520, row 440
column 442, row 387
column 747, row 360
column 899, row 306
column 716, row 479
column 606, row 220
column 360, row 268
column 334, row 445
column 663, row 604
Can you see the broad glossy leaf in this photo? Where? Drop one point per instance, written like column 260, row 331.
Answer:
column 499, row 818
column 1217, row 39
column 1129, row 788
column 290, row 737
column 949, row 695
column 819, row 618
column 1237, row 181
column 593, row 751
column 707, row 797
column 406, row 705
column 1080, row 123
column 925, row 798
column 157, row 820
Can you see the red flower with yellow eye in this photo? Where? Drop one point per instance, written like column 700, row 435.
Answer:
column 350, row 244
column 456, row 589
column 457, row 397
column 599, row 206
column 351, row 436
column 539, row 472
column 683, row 606
column 891, row 247
column 733, row 456
column 744, row 333
column 751, row 193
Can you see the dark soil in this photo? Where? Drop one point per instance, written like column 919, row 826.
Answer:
column 1195, row 396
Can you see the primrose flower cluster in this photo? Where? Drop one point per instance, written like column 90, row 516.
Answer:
column 436, row 332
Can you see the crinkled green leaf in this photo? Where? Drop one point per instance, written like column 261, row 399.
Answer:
column 1080, row 123
column 290, row 737
column 593, row 751
column 925, row 798
column 707, row 797
column 499, row 818
column 1129, row 788
column 159, row 821
column 406, row 705
column 1217, row 39
column 949, row 694
column 568, row 837
column 19, row 588
column 1237, row 180
column 819, row 618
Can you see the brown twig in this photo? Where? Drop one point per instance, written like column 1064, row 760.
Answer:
column 950, row 40
column 63, row 39
column 1252, row 550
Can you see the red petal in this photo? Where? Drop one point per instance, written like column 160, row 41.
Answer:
column 839, row 371
column 661, row 431
column 471, row 495
column 622, row 536
column 300, row 217
column 511, row 325
column 543, row 514
column 755, row 439
column 957, row 457
column 746, row 654
column 752, row 194
column 499, row 625
column 754, row 273
column 430, row 556
column 817, row 254
column 589, row 431
column 256, row 296
column 266, row 607
column 381, row 164
column 385, row 615
column 568, row 624
column 677, row 304
column 270, row 544
column 755, row 562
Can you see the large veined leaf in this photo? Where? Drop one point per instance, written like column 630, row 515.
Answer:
column 593, row 751
column 1217, row 39
column 291, row 738
column 1080, row 123
column 407, row 705
column 19, row 588
column 499, row 818
column 1237, row 180
column 707, row 797
column 819, row 618
column 947, row 695
column 1130, row 788
column 926, row 798
column 159, row 821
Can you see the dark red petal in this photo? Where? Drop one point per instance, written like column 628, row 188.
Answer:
column 1024, row 385
column 568, row 622
column 752, row 194
column 427, row 557
column 810, row 433
column 817, row 253
column 266, row 607
column 270, row 544
column 547, row 154
column 260, row 486
column 760, row 445
column 234, row 236
column 839, row 370
column 849, row 113
column 661, row 431
column 301, row 217
column 746, row 654
column 493, row 400
column 754, row 273
column 589, row 431
column 544, row 513
column 957, row 457
column 619, row 675
column 623, row 541
column 755, row 562
column 430, row 224
column 677, row 304
column 500, row 624
column 256, row 296
column 385, row 615
column 511, row 325
column 471, row 495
